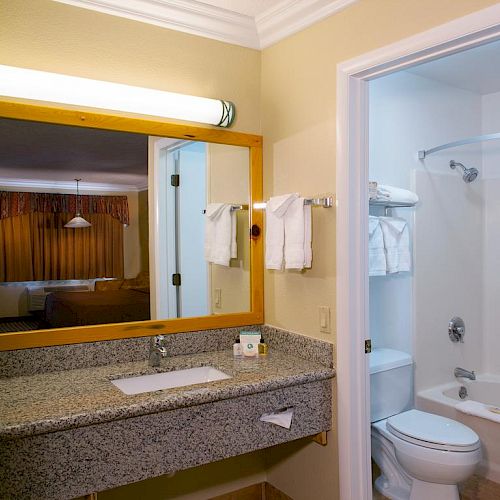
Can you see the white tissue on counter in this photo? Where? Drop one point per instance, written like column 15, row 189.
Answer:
column 282, row 418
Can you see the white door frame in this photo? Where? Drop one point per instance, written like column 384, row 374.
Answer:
column 353, row 399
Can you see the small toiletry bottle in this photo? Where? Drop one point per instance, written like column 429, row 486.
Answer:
column 249, row 342
column 263, row 347
column 237, row 348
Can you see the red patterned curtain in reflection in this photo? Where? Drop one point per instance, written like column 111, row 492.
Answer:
column 35, row 245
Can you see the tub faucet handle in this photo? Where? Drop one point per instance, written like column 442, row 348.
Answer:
column 456, row 329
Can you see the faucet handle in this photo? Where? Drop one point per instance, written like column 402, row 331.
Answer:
column 157, row 340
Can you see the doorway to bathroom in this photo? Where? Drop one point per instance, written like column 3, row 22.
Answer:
column 358, row 81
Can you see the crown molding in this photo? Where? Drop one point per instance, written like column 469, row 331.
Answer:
column 291, row 16
column 201, row 19
column 188, row 16
column 66, row 185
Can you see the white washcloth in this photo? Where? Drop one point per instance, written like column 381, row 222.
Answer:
column 479, row 410
column 391, row 193
column 298, row 253
column 282, row 418
column 396, row 243
column 377, row 264
column 276, row 208
column 220, row 233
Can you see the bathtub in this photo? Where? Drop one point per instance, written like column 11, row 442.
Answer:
column 442, row 399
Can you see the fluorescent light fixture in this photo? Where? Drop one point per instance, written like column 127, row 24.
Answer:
column 63, row 89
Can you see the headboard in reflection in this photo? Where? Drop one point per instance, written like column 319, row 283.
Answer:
column 168, row 246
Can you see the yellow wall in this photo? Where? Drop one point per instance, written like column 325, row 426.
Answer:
column 297, row 95
column 299, row 129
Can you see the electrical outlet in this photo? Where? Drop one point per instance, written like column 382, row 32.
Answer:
column 218, row 297
column 324, row 319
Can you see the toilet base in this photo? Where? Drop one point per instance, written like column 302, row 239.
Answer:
column 433, row 491
column 392, row 491
column 419, row 490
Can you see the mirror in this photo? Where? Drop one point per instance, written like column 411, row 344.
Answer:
column 168, row 247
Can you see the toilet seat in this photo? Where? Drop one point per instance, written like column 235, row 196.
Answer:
column 433, row 431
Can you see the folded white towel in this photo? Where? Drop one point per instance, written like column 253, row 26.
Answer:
column 276, row 208
column 396, row 243
column 479, row 410
column 220, row 233
column 295, row 235
column 391, row 193
column 377, row 264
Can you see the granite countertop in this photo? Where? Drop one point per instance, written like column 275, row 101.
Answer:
column 56, row 401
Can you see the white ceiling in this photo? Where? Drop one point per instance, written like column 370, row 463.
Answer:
column 251, row 23
column 476, row 70
column 250, row 8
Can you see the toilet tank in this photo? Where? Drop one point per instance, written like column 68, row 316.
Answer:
column 391, row 383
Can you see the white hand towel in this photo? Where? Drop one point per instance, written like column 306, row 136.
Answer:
column 377, row 264
column 219, row 233
column 276, row 208
column 479, row 410
column 295, row 235
column 391, row 193
column 397, row 244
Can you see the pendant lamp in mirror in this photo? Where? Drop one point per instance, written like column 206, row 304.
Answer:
column 77, row 221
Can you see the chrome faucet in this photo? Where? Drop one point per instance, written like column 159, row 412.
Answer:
column 461, row 372
column 157, row 350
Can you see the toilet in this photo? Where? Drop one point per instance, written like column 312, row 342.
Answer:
column 422, row 456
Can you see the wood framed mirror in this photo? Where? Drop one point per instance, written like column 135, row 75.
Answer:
column 222, row 151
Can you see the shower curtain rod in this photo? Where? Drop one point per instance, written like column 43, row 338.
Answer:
column 470, row 140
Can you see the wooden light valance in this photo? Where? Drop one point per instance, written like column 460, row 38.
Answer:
column 14, row 203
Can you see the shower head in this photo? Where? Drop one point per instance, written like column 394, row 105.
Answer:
column 469, row 175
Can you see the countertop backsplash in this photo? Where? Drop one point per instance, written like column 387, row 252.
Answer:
column 26, row 362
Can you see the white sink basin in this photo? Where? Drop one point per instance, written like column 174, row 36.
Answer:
column 168, row 380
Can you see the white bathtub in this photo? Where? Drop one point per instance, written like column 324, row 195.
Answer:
column 442, row 399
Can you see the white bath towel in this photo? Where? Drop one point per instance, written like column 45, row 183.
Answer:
column 391, row 193
column 276, row 208
column 396, row 243
column 377, row 264
column 479, row 410
column 298, row 252
column 220, row 233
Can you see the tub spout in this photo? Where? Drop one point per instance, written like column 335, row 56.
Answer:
column 461, row 372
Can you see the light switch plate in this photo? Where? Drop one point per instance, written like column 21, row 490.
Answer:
column 218, row 297
column 324, row 319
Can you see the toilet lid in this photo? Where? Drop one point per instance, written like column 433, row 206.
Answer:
column 433, row 431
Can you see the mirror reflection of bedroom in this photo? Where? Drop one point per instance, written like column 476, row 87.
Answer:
column 56, row 272
column 76, row 253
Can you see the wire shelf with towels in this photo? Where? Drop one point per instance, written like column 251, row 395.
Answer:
column 389, row 205
column 326, row 202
